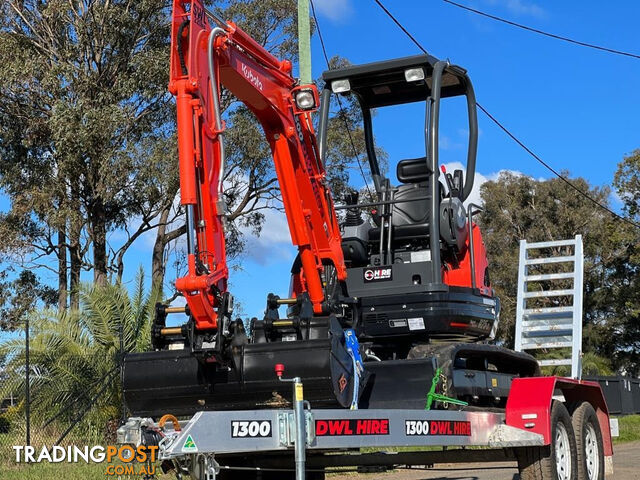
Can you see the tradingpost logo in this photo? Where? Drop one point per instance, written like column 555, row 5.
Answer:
column 121, row 460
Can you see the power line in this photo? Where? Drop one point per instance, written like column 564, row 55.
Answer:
column 513, row 137
column 400, row 26
column 342, row 112
column 552, row 170
column 542, row 32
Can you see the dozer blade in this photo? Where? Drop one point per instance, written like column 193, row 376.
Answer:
column 479, row 374
column 398, row 384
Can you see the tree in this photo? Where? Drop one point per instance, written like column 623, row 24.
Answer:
column 84, row 109
column 519, row 207
column 627, row 183
column 21, row 296
column 627, row 329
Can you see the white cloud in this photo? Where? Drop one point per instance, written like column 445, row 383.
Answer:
column 464, row 133
column 274, row 242
column 335, row 10
column 520, row 8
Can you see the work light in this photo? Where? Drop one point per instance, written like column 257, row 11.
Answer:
column 305, row 99
column 340, row 86
column 414, row 74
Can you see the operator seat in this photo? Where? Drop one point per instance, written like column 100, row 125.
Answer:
column 410, row 216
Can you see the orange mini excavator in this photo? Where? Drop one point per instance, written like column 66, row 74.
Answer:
column 381, row 302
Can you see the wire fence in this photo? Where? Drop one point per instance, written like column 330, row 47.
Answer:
column 29, row 417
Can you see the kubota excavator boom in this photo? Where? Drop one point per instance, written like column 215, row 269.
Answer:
column 209, row 362
column 207, row 54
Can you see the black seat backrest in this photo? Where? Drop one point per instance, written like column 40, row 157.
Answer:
column 411, row 208
column 414, row 173
column 410, row 218
column 413, row 170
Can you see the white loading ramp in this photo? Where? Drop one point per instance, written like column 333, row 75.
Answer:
column 557, row 324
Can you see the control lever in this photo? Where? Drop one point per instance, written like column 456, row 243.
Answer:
column 452, row 193
column 449, row 180
column 458, row 183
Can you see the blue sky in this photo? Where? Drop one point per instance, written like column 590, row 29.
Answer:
column 575, row 107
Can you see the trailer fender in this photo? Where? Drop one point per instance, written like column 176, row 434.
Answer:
column 529, row 405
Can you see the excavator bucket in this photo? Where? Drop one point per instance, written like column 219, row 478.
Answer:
column 178, row 382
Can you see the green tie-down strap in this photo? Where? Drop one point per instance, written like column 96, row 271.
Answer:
column 432, row 396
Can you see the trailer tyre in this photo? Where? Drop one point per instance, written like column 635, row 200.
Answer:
column 557, row 461
column 589, row 444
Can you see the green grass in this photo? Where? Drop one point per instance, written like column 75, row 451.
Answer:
column 64, row 471
column 629, row 429
column 47, row 471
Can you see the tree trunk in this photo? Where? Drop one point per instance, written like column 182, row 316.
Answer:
column 99, row 233
column 75, row 263
column 157, row 256
column 163, row 238
column 62, row 270
column 75, row 246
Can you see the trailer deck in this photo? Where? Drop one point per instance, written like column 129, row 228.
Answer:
column 211, row 441
column 274, row 430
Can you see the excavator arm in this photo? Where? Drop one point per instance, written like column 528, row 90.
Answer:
column 207, row 54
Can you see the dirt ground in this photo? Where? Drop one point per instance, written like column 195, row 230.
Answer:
column 625, row 467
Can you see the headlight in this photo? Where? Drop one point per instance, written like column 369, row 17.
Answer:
column 414, row 74
column 340, row 86
column 305, row 99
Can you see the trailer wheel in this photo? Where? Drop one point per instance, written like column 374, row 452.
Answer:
column 557, row 461
column 589, row 444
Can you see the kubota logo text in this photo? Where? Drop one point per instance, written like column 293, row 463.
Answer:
column 252, row 77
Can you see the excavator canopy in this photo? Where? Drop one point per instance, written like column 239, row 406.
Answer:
column 393, row 82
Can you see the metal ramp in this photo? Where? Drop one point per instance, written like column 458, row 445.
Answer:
column 549, row 316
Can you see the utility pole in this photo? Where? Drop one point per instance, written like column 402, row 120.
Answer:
column 304, row 42
column 123, row 418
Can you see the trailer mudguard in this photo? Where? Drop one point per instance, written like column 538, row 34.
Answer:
column 529, row 405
